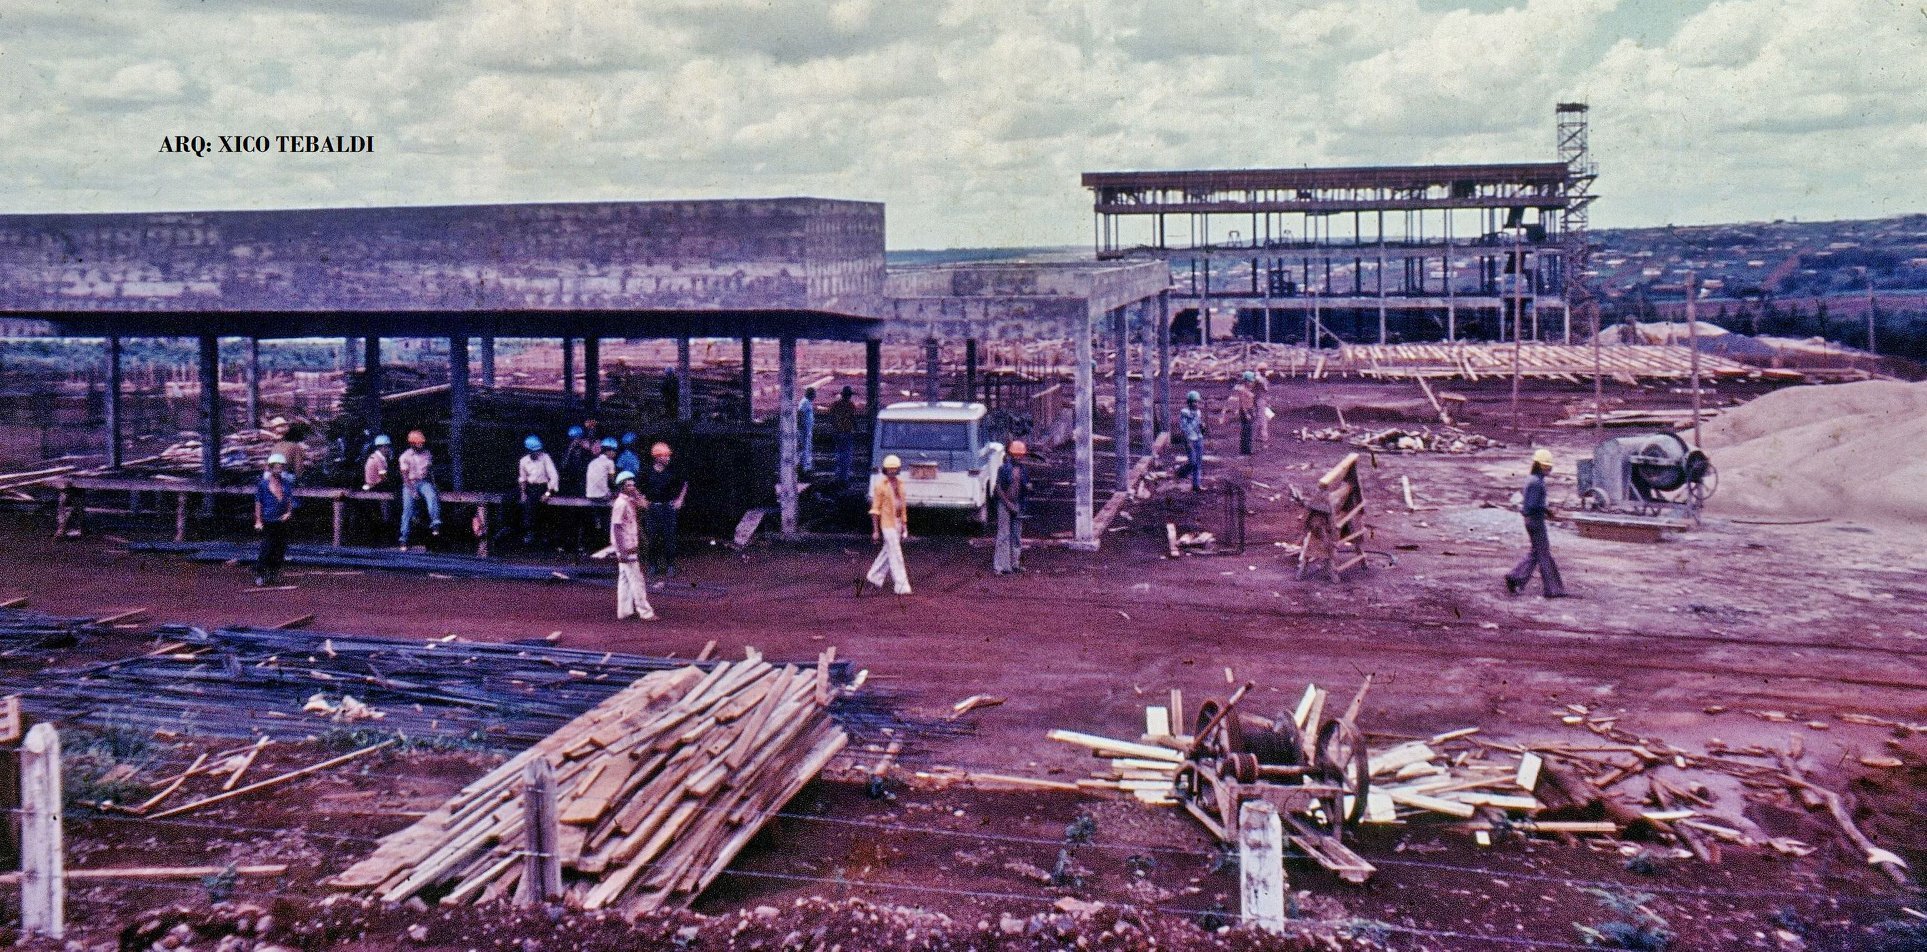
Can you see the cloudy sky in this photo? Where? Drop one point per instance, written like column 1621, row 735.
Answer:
column 970, row 118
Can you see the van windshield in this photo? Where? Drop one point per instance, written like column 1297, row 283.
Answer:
column 917, row 435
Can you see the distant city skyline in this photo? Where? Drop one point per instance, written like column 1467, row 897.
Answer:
column 971, row 119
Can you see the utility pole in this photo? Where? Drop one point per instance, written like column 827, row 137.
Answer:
column 1870, row 313
column 1693, row 341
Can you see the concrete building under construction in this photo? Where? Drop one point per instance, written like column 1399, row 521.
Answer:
column 1374, row 253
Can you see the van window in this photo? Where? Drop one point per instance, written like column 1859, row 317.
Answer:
column 920, row 435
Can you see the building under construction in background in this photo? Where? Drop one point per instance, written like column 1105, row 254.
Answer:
column 1375, row 253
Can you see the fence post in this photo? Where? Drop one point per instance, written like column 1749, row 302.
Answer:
column 542, row 866
column 1261, row 865
column 42, row 880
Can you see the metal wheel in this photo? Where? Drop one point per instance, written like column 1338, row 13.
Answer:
column 1344, row 762
column 1227, row 738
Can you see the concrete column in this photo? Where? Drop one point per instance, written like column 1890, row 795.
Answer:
column 488, row 361
column 872, row 377
column 970, row 369
column 682, row 378
column 348, row 347
column 113, row 403
column 371, row 370
column 254, row 382
column 591, row 374
column 786, row 432
column 1121, row 387
column 1147, row 351
column 1086, row 533
column 749, row 379
column 1164, row 361
column 457, row 408
column 568, row 373
column 932, row 356
column 210, row 417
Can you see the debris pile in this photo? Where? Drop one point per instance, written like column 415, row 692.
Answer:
column 656, row 790
column 1424, row 439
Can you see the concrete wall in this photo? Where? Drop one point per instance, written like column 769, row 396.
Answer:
column 752, row 254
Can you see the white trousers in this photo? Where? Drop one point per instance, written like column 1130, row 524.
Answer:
column 632, row 592
column 889, row 563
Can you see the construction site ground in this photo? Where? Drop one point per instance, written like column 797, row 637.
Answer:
column 1777, row 629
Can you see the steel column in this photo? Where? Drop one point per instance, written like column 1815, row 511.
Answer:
column 457, row 408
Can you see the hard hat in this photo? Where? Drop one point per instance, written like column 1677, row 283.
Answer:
column 892, row 462
column 628, row 439
column 625, row 477
column 1017, row 448
column 417, row 436
column 575, row 432
column 609, row 443
column 381, row 439
column 532, row 444
column 1542, row 458
column 660, row 449
column 1192, row 397
column 1249, row 376
column 274, row 458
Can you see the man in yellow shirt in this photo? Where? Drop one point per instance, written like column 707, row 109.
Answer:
column 889, row 524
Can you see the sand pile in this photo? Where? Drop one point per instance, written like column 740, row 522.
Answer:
column 1855, row 451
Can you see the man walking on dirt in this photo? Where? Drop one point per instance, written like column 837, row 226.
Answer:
column 890, row 525
column 1191, row 427
column 274, row 505
column 1013, row 484
column 1533, row 507
column 625, row 535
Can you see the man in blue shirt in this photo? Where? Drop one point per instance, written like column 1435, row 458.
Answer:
column 1191, row 427
column 1013, row 485
column 627, row 461
column 274, row 504
column 806, row 429
column 1533, row 507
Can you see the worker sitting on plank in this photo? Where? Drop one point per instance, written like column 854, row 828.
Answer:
column 536, row 480
column 890, row 525
column 663, row 490
column 1013, row 485
column 417, row 481
column 632, row 590
column 1533, row 507
column 274, row 504
column 1191, row 427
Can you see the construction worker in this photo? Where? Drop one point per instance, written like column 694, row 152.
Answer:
column 1533, row 507
column 890, row 525
column 599, row 484
column 291, row 443
column 627, row 461
column 575, row 463
column 1242, row 402
column 843, row 431
column 805, row 429
column 536, row 480
column 663, row 488
column 274, row 505
column 632, row 590
column 374, row 471
column 416, row 480
column 1013, row 486
column 1191, row 427
column 1261, row 399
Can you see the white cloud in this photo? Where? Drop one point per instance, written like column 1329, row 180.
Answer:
column 971, row 118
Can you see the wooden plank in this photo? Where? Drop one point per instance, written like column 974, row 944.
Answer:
column 43, row 895
column 271, row 781
column 150, row 873
column 1123, row 748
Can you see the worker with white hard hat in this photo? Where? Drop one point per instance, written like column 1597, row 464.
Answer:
column 890, row 525
column 1013, row 487
column 1539, row 559
column 1191, row 427
column 274, row 505
column 625, row 535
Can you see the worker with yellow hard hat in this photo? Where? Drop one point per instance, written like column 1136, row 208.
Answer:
column 1539, row 559
column 890, row 525
column 1012, row 488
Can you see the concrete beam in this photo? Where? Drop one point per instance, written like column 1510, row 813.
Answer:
column 786, row 489
column 458, row 417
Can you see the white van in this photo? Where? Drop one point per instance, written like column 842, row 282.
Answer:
column 947, row 463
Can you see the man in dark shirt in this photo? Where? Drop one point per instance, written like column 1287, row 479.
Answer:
column 663, row 490
column 843, row 430
column 1533, row 507
column 1013, row 485
column 274, row 505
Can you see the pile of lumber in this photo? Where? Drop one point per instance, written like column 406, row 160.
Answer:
column 246, row 450
column 655, row 791
column 1424, row 439
column 1654, row 419
column 1569, row 362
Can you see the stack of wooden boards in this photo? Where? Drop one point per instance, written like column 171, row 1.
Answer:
column 657, row 789
column 1403, row 439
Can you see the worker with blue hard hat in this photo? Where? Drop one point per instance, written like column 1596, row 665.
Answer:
column 536, row 481
column 1191, row 427
column 625, row 536
column 626, row 459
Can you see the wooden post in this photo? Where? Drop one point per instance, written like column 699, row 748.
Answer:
column 542, row 866
column 1261, row 865
column 42, row 880
column 1693, row 342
